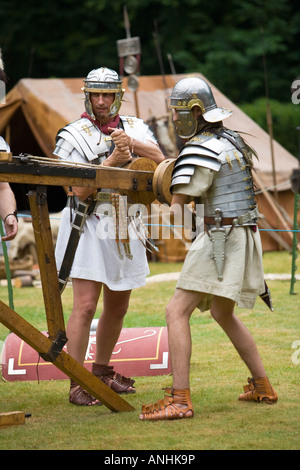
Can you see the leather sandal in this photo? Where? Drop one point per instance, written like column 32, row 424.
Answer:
column 80, row 397
column 176, row 405
column 117, row 382
column 259, row 390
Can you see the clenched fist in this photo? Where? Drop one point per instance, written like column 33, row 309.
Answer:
column 121, row 140
column 118, row 158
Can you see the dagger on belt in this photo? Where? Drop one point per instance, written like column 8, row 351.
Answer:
column 218, row 237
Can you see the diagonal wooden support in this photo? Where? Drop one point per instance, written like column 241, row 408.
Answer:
column 50, row 348
column 63, row 361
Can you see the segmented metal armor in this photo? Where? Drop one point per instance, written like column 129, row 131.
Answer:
column 232, row 188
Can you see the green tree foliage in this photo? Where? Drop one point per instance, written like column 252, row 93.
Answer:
column 285, row 120
column 223, row 40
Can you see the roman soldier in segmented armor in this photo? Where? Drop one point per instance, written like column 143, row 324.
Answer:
column 230, row 199
column 224, row 264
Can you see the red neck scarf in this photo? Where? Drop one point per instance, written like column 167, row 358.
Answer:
column 103, row 127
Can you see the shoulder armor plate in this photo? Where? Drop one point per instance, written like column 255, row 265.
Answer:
column 4, row 147
column 198, row 160
column 208, row 141
column 204, row 150
column 84, row 137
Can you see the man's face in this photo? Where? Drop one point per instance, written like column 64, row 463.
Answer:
column 101, row 103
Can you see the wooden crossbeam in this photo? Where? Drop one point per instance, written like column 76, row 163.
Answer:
column 100, row 177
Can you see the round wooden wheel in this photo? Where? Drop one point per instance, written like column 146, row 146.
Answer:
column 142, row 164
column 162, row 180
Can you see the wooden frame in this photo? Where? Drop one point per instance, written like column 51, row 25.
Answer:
column 51, row 348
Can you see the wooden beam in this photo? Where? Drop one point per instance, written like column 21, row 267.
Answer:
column 64, row 362
column 5, row 156
column 46, row 261
column 105, row 177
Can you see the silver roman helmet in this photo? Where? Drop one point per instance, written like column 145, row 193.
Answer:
column 103, row 80
column 187, row 93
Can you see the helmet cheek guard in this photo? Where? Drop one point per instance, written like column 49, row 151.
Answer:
column 186, row 124
column 103, row 80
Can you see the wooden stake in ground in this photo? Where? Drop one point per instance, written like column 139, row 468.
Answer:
column 12, row 418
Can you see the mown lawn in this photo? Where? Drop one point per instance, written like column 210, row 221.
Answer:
column 221, row 422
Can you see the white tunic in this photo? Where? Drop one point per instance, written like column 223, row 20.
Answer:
column 97, row 256
column 243, row 278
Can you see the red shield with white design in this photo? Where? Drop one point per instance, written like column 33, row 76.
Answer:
column 138, row 352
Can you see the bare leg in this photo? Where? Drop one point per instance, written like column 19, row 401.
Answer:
column 178, row 315
column 222, row 312
column 115, row 305
column 179, row 404
column 85, row 298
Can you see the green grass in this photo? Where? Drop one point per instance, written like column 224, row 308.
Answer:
column 217, row 376
column 277, row 262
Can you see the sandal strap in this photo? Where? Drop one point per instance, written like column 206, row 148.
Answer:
column 175, row 404
column 127, row 381
column 80, row 397
column 117, row 382
column 259, row 390
column 251, row 385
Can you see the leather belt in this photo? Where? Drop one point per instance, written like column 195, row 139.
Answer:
column 225, row 220
column 248, row 217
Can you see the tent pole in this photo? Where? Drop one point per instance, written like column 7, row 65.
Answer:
column 295, row 227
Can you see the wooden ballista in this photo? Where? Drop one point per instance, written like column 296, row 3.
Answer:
column 38, row 175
